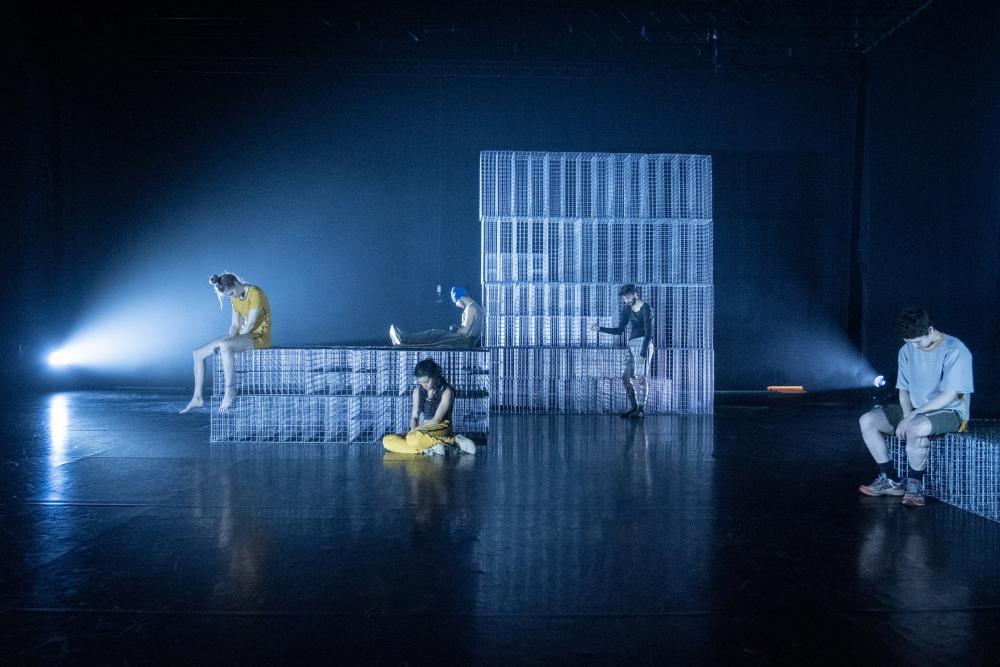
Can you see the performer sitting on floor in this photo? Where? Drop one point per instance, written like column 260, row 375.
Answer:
column 433, row 399
column 934, row 379
column 250, row 328
column 465, row 335
column 637, row 316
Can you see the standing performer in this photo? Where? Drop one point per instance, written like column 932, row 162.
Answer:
column 467, row 334
column 433, row 399
column 250, row 328
column 934, row 380
column 637, row 316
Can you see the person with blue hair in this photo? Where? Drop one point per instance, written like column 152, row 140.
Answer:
column 465, row 334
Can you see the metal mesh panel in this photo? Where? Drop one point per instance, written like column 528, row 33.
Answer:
column 587, row 380
column 560, row 233
column 341, row 394
column 594, row 185
column 963, row 468
column 546, row 250
column 517, row 314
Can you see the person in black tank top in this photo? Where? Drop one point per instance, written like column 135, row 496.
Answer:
column 430, row 418
column 636, row 318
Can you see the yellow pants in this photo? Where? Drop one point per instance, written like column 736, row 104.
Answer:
column 419, row 439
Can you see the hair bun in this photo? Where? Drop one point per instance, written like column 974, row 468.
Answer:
column 215, row 279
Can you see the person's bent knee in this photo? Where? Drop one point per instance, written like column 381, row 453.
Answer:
column 414, row 438
column 870, row 419
column 395, row 443
column 919, row 428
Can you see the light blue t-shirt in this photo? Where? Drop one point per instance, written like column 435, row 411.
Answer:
column 925, row 374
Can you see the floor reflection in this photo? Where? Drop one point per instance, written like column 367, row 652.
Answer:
column 899, row 560
column 587, row 514
column 565, row 537
column 58, row 436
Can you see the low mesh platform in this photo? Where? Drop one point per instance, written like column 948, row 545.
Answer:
column 963, row 469
column 341, row 394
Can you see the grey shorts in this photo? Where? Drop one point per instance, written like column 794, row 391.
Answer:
column 632, row 369
column 942, row 421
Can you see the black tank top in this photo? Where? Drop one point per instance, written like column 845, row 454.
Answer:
column 429, row 404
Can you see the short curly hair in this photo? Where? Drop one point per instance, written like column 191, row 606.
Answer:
column 430, row 369
column 913, row 322
column 628, row 288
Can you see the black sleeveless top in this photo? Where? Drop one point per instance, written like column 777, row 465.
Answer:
column 429, row 404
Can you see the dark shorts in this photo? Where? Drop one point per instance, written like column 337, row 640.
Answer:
column 942, row 421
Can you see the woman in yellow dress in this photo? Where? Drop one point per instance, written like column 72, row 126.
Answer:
column 249, row 329
column 430, row 419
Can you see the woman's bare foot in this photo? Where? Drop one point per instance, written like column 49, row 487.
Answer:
column 196, row 402
column 227, row 399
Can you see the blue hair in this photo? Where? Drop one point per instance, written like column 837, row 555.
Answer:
column 457, row 293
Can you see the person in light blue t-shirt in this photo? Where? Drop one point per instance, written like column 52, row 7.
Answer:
column 934, row 380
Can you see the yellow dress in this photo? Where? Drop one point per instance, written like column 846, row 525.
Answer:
column 256, row 300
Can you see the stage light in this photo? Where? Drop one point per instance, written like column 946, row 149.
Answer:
column 134, row 335
column 878, row 381
column 59, row 358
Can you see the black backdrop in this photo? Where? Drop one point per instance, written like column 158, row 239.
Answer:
column 350, row 197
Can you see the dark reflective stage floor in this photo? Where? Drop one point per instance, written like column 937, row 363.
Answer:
column 735, row 539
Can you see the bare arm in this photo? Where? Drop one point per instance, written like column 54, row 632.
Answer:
column 936, row 403
column 415, row 411
column 251, row 321
column 469, row 316
column 234, row 324
column 905, row 403
column 443, row 407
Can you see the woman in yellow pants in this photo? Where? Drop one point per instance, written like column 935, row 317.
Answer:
column 433, row 398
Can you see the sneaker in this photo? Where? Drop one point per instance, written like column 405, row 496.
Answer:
column 882, row 486
column 626, row 415
column 914, row 493
column 465, row 444
column 638, row 414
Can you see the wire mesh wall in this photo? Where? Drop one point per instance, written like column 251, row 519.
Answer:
column 560, row 233
column 963, row 469
column 341, row 394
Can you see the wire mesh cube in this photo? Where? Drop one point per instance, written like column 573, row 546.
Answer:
column 560, row 232
column 963, row 469
column 341, row 394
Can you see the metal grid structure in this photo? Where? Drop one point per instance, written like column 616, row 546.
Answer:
column 963, row 468
column 341, row 394
column 560, row 233
column 758, row 39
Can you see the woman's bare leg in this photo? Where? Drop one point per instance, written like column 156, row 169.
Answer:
column 200, row 355
column 228, row 350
